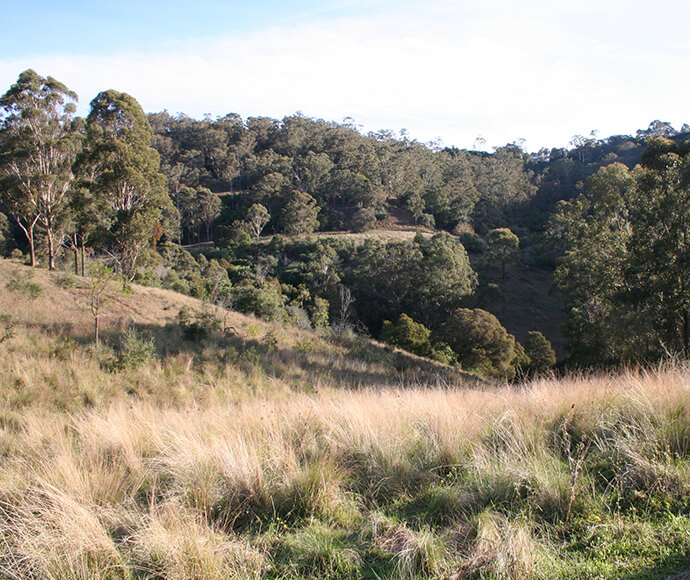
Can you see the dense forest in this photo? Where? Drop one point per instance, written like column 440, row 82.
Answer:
column 236, row 211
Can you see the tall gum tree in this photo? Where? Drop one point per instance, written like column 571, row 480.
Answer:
column 125, row 171
column 38, row 146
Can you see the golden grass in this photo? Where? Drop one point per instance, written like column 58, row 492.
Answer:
column 172, row 489
column 279, row 453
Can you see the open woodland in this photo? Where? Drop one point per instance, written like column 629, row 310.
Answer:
column 251, row 348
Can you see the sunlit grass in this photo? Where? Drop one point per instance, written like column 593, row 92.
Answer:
column 279, row 453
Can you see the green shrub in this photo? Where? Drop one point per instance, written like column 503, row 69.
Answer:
column 364, row 219
column 24, row 285
column 7, row 324
column 541, row 355
column 472, row 242
column 266, row 303
column 198, row 324
column 480, row 342
column 65, row 280
column 135, row 350
column 408, row 334
column 319, row 313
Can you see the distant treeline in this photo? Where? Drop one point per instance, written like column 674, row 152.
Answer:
column 134, row 188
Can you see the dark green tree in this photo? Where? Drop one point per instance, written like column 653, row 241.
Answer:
column 503, row 247
column 596, row 229
column 540, row 353
column 658, row 270
column 5, row 235
column 407, row 334
column 481, row 343
column 299, row 214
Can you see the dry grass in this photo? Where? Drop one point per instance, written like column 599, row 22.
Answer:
column 240, row 490
column 244, row 457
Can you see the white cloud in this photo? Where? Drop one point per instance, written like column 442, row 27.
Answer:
column 453, row 70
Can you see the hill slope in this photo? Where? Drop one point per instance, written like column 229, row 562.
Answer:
column 219, row 354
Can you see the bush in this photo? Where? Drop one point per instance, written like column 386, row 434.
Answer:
column 319, row 312
column 540, row 352
column 198, row 324
column 266, row 303
column 480, row 342
column 489, row 295
column 472, row 242
column 135, row 350
column 7, row 324
column 65, row 280
column 364, row 219
column 23, row 284
column 408, row 334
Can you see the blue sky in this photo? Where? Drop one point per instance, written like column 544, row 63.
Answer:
column 448, row 70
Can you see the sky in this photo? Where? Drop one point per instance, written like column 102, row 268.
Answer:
column 469, row 74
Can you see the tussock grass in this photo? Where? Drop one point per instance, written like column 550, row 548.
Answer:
column 276, row 453
column 422, row 483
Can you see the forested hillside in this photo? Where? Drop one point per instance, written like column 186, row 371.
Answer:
column 233, row 210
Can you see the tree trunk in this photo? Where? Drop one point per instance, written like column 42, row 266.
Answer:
column 83, row 257
column 95, row 330
column 32, row 250
column 75, row 247
column 51, row 250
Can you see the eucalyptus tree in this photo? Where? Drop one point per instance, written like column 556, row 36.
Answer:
column 38, row 145
column 626, row 270
column 504, row 247
column 659, row 262
column 125, row 171
column 596, row 230
column 257, row 218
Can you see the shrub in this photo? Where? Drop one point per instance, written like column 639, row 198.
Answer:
column 472, row 242
column 7, row 324
column 480, row 342
column 65, row 280
column 541, row 355
column 503, row 247
column 135, row 350
column 198, row 324
column 364, row 219
column 266, row 303
column 408, row 334
column 489, row 295
column 23, row 284
column 319, row 313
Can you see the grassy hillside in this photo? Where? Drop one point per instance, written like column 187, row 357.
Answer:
column 266, row 452
column 51, row 361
